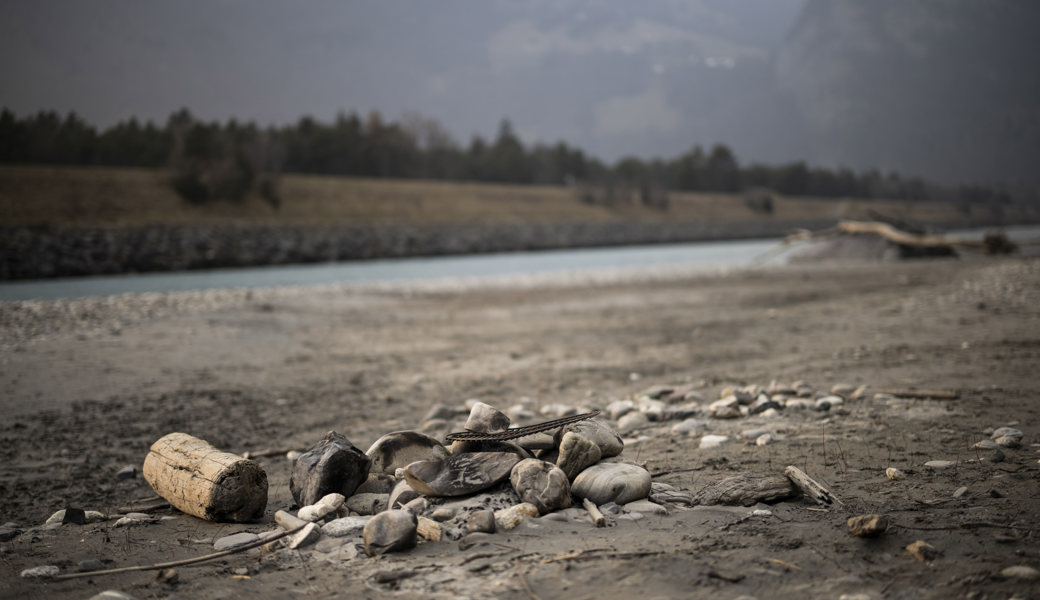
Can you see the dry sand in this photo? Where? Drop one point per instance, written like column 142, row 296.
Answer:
column 88, row 385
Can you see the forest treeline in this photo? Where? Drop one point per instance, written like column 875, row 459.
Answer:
column 211, row 160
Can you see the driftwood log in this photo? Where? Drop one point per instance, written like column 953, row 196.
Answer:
column 810, row 487
column 201, row 480
column 743, row 490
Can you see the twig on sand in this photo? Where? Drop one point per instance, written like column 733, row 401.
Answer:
column 182, row 562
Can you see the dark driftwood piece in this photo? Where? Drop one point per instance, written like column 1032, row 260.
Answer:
column 200, row 480
column 810, row 487
column 743, row 490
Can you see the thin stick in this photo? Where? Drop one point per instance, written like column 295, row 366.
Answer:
column 597, row 516
column 182, row 562
column 523, row 581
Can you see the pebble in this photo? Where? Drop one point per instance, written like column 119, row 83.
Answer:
column 557, row 410
column 443, row 514
column 619, row 408
column 1020, row 572
column 390, row 531
column 460, row 474
column 440, row 411
column 288, row 521
column 985, row 445
column 712, row 441
column 368, row 504
column 752, row 434
column 894, row 474
column 402, row 494
column 923, row 551
column 868, row 526
column 112, row 595
column 89, row 516
column 90, row 564
column 1000, row 432
column 486, row 418
column 417, row 506
column 632, row 421
column 940, row 464
column 9, row 531
column 543, row 484
column 997, row 456
column 597, row 432
column 1008, row 441
column 961, row 491
column 41, row 572
column 843, row 389
column 235, row 540
column 130, row 472
column 687, row 427
column 612, row 482
column 345, row 526
column 305, row 537
column 509, row 518
column 576, row 453
column 645, row 507
column 315, row 512
column 481, row 521
column 765, row 439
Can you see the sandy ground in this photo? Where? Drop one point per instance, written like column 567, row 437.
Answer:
column 88, row 385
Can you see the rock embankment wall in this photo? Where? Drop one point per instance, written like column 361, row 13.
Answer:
column 43, row 252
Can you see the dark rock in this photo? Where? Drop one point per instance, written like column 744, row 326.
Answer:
column 333, row 465
column 76, row 516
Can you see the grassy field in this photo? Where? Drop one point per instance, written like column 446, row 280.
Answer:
column 88, row 197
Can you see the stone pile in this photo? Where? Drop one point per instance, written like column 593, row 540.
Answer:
column 409, row 486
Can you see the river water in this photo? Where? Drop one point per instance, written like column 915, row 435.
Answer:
column 702, row 254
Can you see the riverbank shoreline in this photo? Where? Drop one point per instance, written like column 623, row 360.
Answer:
column 262, row 370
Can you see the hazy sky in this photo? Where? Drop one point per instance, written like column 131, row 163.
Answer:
column 614, row 76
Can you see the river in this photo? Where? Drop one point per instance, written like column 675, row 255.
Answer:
column 701, row 254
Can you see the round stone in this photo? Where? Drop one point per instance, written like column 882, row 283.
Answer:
column 612, row 482
column 598, row 433
column 390, row 531
column 576, row 453
column 401, row 448
column 542, row 484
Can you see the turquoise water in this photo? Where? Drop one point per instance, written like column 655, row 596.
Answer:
column 701, row 254
column 707, row 254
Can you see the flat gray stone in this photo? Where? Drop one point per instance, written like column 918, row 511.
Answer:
column 368, row 504
column 612, row 482
column 460, row 474
column 345, row 527
column 235, row 540
column 401, row 448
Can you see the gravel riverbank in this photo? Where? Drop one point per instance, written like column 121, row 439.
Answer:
column 88, row 385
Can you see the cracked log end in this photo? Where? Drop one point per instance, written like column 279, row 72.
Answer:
column 202, row 481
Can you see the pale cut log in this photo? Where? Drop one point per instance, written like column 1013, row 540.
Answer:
column 201, row 480
column 810, row 487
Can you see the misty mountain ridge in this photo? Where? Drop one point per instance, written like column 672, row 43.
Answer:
column 946, row 91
